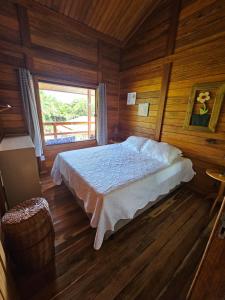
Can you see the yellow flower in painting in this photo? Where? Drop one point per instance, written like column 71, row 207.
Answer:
column 203, row 97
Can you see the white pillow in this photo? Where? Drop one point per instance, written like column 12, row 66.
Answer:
column 148, row 146
column 135, row 142
column 161, row 151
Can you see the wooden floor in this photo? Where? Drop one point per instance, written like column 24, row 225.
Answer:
column 153, row 257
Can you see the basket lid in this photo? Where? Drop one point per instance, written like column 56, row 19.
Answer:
column 25, row 210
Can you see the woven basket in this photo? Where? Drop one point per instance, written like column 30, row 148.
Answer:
column 37, row 256
column 29, row 233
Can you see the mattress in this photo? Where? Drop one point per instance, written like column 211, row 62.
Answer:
column 114, row 182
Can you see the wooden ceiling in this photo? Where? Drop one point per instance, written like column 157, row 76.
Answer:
column 116, row 18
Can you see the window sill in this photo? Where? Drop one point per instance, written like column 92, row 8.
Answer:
column 67, row 140
column 77, row 144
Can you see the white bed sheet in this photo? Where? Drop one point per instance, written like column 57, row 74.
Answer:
column 114, row 182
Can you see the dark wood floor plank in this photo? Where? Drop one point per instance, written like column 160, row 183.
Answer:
column 186, row 270
column 122, row 258
column 152, row 253
column 171, row 257
column 134, row 273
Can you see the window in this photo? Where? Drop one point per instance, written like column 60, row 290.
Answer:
column 68, row 113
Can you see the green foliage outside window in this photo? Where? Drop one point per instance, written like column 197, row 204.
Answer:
column 54, row 110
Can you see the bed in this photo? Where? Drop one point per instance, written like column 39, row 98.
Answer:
column 115, row 182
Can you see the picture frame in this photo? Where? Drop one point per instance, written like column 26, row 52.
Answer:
column 143, row 109
column 131, row 98
column 205, row 120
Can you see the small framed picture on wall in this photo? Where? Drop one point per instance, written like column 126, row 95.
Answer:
column 131, row 98
column 143, row 109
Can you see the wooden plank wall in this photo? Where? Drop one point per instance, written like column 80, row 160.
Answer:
column 146, row 81
column 141, row 76
column 12, row 121
column 150, row 41
column 109, row 57
column 199, row 57
column 61, row 50
column 53, row 47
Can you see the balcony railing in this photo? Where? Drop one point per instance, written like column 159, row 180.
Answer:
column 68, row 128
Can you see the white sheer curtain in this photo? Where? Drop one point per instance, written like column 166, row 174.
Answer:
column 102, row 130
column 30, row 108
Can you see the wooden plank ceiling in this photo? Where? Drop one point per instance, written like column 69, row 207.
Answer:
column 116, row 18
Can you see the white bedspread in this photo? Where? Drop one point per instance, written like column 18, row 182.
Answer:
column 114, row 182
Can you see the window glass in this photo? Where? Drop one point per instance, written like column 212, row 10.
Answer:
column 68, row 113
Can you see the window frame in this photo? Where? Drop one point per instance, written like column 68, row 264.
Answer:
column 44, row 79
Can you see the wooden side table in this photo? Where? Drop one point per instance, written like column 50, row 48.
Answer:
column 216, row 174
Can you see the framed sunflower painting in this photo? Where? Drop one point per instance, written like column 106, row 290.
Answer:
column 204, row 106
